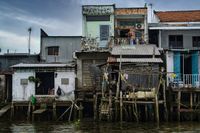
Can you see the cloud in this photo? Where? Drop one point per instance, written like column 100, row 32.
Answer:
column 27, row 18
column 15, row 42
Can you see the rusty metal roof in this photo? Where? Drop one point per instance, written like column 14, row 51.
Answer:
column 135, row 50
column 130, row 11
column 179, row 16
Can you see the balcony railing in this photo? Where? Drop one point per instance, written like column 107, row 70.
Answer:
column 92, row 44
column 183, row 80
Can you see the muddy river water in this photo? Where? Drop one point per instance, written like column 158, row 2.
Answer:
column 88, row 126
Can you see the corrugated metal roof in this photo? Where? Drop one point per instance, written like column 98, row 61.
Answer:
column 135, row 50
column 22, row 65
column 140, row 60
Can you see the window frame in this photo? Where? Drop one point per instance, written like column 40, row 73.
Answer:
column 176, row 43
column 197, row 44
column 54, row 52
column 104, row 38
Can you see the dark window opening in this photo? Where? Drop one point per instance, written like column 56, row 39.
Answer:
column 175, row 41
column 196, row 41
column 124, row 33
column 53, row 50
column 98, row 18
column 46, row 85
column 104, row 32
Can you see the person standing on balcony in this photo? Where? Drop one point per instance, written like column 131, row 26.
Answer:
column 131, row 35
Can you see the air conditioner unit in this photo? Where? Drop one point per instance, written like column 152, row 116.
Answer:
column 139, row 26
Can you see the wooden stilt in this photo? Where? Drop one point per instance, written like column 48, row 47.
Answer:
column 116, row 110
column 121, row 107
column 33, row 116
column 110, row 105
column 54, row 111
column 130, row 113
column 80, row 111
column 165, row 102
column 179, row 104
column 12, row 111
column 157, row 109
column 29, row 111
column 171, row 103
column 191, row 106
column 70, row 114
column 95, row 106
column 146, row 113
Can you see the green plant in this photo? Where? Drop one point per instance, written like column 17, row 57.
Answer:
column 33, row 79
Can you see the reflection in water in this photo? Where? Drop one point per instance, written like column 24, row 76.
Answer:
column 97, row 127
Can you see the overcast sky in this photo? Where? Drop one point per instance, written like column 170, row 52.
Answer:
column 59, row 17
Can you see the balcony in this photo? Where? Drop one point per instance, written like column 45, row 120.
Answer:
column 93, row 44
column 183, row 80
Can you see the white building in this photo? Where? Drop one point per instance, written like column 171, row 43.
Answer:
column 43, row 80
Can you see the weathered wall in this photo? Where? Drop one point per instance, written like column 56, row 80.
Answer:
column 91, row 29
column 20, row 92
column 67, row 45
column 19, row 95
column 83, row 71
column 68, row 89
column 187, row 37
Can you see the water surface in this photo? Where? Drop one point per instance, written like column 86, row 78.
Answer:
column 98, row 127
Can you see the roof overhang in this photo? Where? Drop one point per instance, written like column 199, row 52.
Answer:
column 42, row 65
column 140, row 60
column 174, row 28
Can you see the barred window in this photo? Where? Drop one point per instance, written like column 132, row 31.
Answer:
column 196, row 41
column 54, row 50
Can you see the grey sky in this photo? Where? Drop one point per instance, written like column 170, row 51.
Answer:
column 59, row 17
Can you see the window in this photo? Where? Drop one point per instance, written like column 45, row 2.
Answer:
column 175, row 41
column 64, row 81
column 98, row 18
column 24, row 81
column 196, row 41
column 53, row 50
column 104, row 32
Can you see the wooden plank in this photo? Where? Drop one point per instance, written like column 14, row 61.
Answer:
column 4, row 109
column 39, row 111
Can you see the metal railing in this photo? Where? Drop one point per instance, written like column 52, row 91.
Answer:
column 183, row 80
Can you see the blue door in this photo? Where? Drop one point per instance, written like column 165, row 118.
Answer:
column 195, row 67
column 177, row 65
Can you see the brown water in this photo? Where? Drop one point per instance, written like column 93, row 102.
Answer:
column 98, row 127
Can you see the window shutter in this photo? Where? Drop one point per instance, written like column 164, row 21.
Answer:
column 104, row 32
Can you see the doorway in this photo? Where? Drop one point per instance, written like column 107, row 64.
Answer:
column 46, row 83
